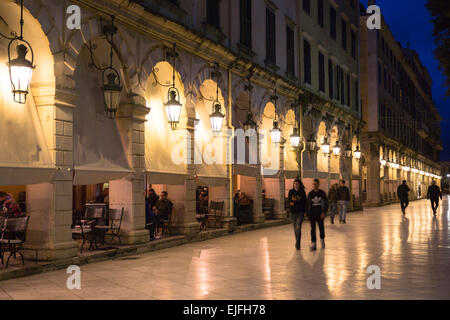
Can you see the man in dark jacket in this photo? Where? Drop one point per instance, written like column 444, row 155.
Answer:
column 343, row 198
column 434, row 193
column 332, row 201
column 317, row 208
column 402, row 193
column 297, row 203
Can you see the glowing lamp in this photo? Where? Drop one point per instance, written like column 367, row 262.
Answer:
column 325, row 146
column 295, row 138
column 173, row 108
column 216, row 119
column 20, row 70
column 275, row 133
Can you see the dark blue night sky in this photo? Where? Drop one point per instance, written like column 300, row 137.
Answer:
column 410, row 21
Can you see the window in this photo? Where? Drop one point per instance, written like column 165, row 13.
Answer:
column 212, row 13
column 344, row 34
column 307, row 60
column 307, row 6
column 290, row 51
column 320, row 12
column 333, row 23
column 356, row 96
column 330, row 79
column 321, row 72
column 246, row 23
column 347, row 100
column 270, row 36
column 353, row 40
column 342, row 87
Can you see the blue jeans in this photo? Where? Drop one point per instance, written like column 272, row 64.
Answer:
column 333, row 209
column 343, row 207
column 297, row 220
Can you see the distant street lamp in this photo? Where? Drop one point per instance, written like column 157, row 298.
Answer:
column 325, row 146
column 311, row 143
column 357, row 153
column 275, row 132
column 295, row 138
column 337, row 149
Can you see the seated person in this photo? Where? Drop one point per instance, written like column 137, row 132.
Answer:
column 162, row 209
column 9, row 205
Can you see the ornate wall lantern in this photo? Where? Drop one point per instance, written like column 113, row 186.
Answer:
column 311, row 143
column 112, row 86
column 275, row 132
column 325, row 146
column 348, row 151
column 337, row 149
column 216, row 117
column 173, row 105
column 250, row 126
column 20, row 68
column 357, row 153
column 295, row 138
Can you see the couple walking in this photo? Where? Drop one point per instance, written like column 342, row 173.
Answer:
column 339, row 197
column 315, row 205
column 433, row 194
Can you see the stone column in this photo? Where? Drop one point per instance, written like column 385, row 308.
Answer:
column 371, row 150
column 128, row 193
column 258, row 215
column 50, row 204
column 184, row 221
column 228, row 220
column 279, row 195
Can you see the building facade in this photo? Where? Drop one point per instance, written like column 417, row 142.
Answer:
column 401, row 136
column 285, row 65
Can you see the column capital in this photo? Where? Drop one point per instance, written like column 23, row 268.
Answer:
column 134, row 107
column 46, row 94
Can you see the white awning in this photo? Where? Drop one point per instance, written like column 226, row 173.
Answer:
column 20, row 175
column 165, row 178
column 99, row 154
column 85, row 175
column 246, row 170
column 24, row 155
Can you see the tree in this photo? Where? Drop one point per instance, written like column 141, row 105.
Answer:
column 440, row 10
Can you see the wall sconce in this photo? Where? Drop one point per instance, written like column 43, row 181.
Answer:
column 173, row 105
column 311, row 143
column 20, row 69
column 275, row 132
column 357, row 153
column 337, row 149
column 112, row 87
column 249, row 125
column 295, row 138
column 325, row 146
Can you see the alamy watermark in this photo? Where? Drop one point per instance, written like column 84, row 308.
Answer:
column 374, row 280
column 74, row 280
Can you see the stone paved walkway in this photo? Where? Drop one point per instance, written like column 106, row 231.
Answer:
column 413, row 253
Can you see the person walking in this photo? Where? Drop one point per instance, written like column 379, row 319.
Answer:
column 433, row 194
column 297, row 204
column 317, row 208
column 343, row 198
column 332, row 200
column 402, row 193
